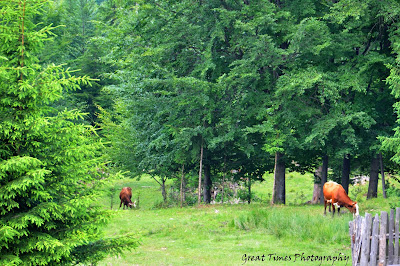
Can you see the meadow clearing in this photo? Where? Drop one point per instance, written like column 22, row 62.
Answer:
column 238, row 234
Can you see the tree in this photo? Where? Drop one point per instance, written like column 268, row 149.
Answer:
column 48, row 168
column 391, row 143
column 372, row 54
column 331, row 87
column 77, row 45
column 175, row 82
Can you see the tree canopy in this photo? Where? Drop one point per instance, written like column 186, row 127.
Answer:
column 194, row 91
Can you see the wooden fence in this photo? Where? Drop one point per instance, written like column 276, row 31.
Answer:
column 375, row 240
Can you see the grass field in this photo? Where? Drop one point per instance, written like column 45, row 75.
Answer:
column 238, row 234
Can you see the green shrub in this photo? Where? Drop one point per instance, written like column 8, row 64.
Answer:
column 49, row 163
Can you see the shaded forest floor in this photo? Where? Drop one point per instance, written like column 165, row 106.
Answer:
column 226, row 234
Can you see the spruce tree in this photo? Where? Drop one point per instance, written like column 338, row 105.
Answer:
column 48, row 162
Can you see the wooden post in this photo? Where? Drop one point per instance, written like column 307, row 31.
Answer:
column 366, row 239
column 379, row 247
column 382, row 239
column 357, row 237
column 390, row 243
column 374, row 241
column 396, row 238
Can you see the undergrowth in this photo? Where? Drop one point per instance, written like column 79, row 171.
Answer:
column 292, row 224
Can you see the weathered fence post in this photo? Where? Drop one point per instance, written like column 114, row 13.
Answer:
column 366, row 233
column 356, row 239
column 390, row 242
column 382, row 239
column 374, row 241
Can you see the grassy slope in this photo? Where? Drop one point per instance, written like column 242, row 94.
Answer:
column 222, row 234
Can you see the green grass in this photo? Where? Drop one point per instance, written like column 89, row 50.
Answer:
column 223, row 234
column 299, row 188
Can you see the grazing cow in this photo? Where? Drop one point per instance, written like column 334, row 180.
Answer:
column 125, row 196
column 336, row 195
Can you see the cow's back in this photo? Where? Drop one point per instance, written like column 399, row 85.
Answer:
column 126, row 193
column 332, row 190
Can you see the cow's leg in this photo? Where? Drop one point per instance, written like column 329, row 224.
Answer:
column 337, row 206
column 333, row 209
column 325, row 202
column 120, row 204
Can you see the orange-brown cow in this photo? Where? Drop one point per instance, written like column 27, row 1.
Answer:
column 125, row 196
column 336, row 195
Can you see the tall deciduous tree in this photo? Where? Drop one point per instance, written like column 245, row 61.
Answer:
column 189, row 81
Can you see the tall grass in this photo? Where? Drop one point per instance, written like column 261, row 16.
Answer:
column 290, row 223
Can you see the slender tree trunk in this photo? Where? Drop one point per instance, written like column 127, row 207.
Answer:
column 249, row 187
column 373, row 178
column 182, row 185
column 317, row 186
column 163, row 190
column 382, row 175
column 279, row 193
column 346, row 173
column 162, row 185
column 200, row 172
column 112, row 190
column 324, row 176
column 207, row 184
column 223, row 181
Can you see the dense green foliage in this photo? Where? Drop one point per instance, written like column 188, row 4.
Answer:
column 166, row 88
column 49, row 176
column 248, row 79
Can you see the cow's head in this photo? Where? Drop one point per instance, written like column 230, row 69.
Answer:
column 354, row 208
column 130, row 204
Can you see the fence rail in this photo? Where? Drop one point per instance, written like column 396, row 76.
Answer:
column 375, row 240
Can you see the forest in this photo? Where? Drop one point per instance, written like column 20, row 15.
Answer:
column 197, row 94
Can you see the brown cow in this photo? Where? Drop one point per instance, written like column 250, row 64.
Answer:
column 336, row 195
column 125, row 196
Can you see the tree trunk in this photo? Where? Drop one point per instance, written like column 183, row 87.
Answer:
column 317, row 186
column 382, row 175
column 112, row 192
column 207, row 184
column 346, row 173
column 163, row 191
column 249, row 187
column 373, row 178
column 279, row 193
column 200, row 172
column 182, row 185
column 324, row 176
column 223, row 181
